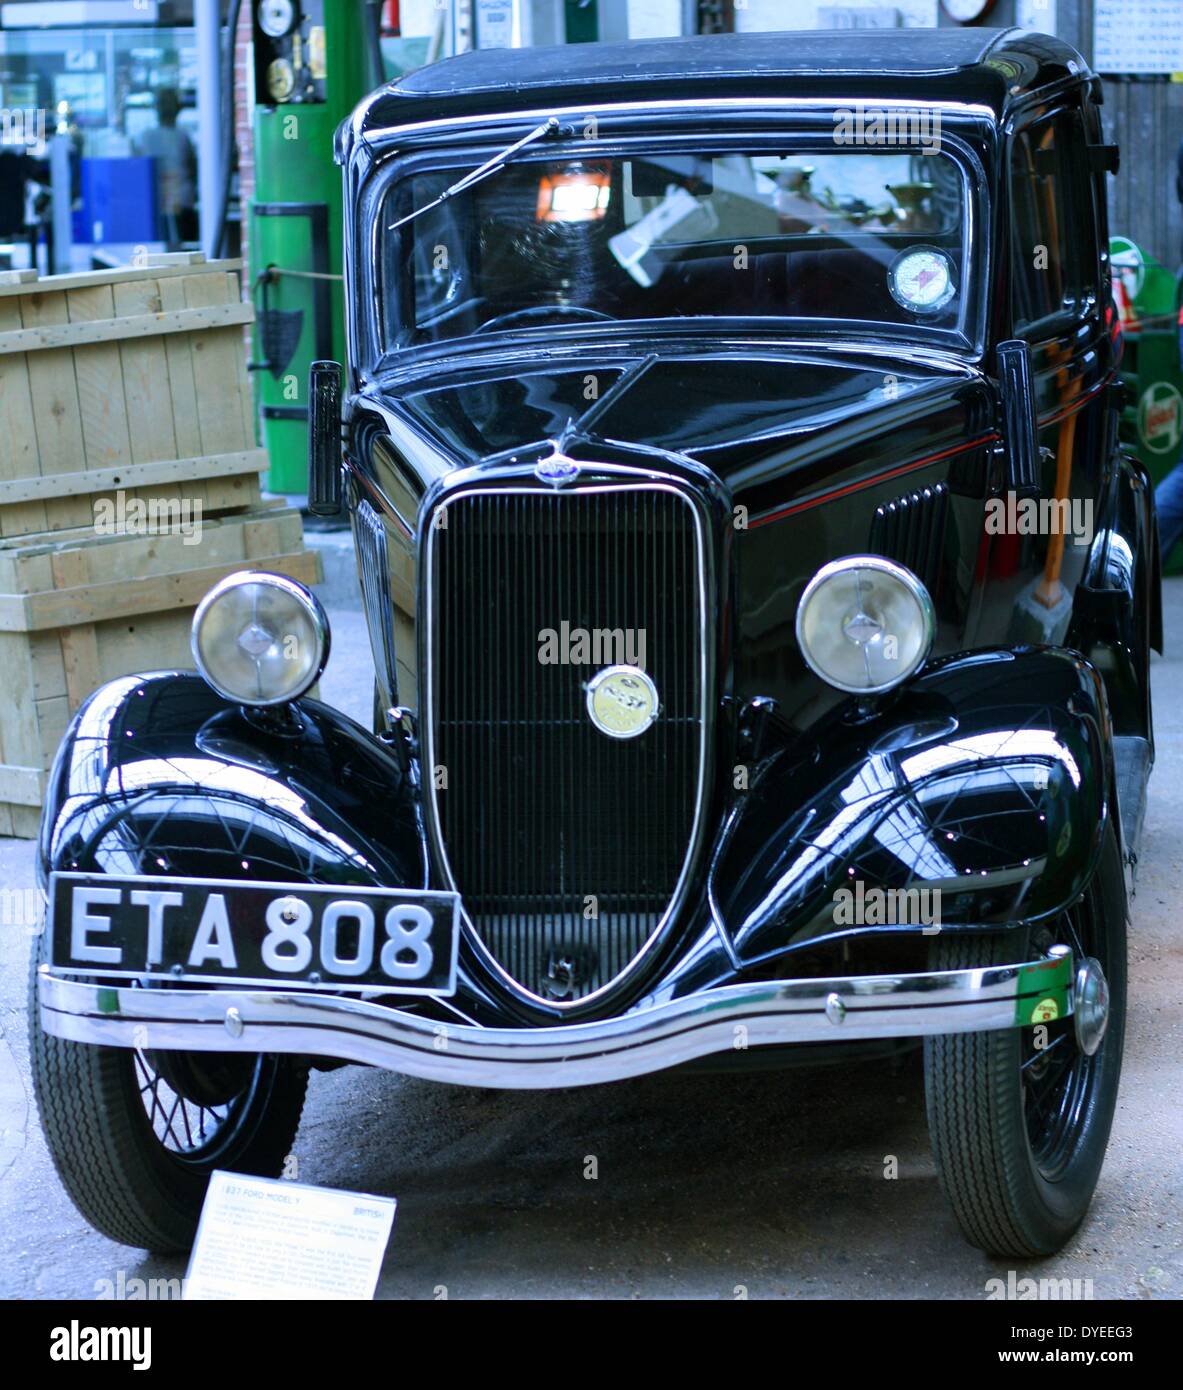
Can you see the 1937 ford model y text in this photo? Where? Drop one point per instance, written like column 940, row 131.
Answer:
column 761, row 609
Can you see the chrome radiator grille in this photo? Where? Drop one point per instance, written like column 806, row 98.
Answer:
column 566, row 844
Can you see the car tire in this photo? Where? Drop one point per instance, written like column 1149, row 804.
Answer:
column 1018, row 1185
column 130, row 1183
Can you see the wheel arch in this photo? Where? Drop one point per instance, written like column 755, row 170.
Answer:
column 990, row 779
column 157, row 774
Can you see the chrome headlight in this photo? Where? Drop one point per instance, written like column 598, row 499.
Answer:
column 260, row 639
column 865, row 624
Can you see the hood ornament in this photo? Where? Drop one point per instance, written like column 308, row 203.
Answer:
column 556, row 468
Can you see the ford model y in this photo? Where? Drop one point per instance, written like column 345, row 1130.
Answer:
column 761, row 609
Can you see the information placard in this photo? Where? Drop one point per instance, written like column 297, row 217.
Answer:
column 284, row 1240
column 1138, row 36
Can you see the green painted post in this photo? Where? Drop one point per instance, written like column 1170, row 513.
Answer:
column 311, row 69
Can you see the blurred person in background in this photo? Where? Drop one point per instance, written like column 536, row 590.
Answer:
column 24, row 200
column 176, row 171
column 13, row 166
column 1168, row 498
column 1168, row 494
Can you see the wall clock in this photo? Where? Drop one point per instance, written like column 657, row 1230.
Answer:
column 966, row 11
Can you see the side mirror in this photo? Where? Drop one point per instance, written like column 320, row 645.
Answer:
column 324, row 439
column 1019, row 424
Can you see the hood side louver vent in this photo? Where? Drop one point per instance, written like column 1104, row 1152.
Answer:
column 911, row 531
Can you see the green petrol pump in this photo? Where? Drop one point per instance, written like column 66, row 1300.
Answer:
column 1152, row 421
column 313, row 61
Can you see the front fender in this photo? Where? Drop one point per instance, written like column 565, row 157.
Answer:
column 157, row 774
column 987, row 780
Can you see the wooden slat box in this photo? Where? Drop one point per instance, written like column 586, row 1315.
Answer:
column 78, row 609
column 131, row 379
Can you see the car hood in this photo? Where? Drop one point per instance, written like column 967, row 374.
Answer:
column 728, row 410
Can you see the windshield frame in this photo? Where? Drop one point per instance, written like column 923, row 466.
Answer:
column 966, row 136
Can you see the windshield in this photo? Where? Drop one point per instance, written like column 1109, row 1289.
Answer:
column 872, row 237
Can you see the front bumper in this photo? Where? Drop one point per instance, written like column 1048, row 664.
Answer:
column 653, row 1038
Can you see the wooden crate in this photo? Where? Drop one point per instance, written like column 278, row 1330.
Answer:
column 78, row 609
column 129, row 380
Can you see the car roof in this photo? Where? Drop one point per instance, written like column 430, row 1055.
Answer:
column 991, row 68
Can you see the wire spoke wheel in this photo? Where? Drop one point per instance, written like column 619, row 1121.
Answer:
column 188, row 1127
column 1020, row 1117
column 1058, row 1079
column 135, row 1133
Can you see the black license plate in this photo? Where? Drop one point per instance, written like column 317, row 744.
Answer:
column 215, row 931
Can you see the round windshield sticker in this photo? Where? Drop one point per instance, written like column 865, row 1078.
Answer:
column 921, row 280
column 1046, row 1011
column 1160, row 417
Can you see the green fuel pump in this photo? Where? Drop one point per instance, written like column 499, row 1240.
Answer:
column 313, row 61
column 1150, row 299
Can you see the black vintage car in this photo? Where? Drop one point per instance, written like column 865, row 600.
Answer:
column 761, row 608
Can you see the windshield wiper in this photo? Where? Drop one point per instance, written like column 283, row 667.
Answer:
column 490, row 166
column 579, row 426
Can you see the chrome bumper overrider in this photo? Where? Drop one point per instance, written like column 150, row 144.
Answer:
column 649, row 1039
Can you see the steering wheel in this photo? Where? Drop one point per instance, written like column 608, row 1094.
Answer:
column 538, row 311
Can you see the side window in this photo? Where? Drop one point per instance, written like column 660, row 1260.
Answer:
column 1052, row 268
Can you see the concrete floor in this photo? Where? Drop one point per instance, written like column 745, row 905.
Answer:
column 773, row 1183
